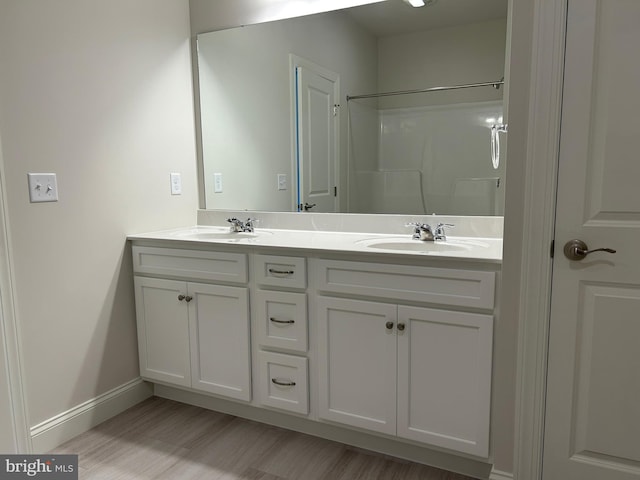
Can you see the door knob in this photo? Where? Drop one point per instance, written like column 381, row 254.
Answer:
column 577, row 250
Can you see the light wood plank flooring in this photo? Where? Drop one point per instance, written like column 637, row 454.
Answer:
column 162, row 439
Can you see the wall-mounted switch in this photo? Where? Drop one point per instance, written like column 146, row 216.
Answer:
column 176, row 184
column 217, row 183
column 43, row 187
column 282, row 181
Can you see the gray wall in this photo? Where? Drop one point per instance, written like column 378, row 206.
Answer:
column 100, row 93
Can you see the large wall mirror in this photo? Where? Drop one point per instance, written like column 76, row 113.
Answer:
column 292, row 118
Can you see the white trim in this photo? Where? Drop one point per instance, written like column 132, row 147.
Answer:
column 9, row 330
column 549, row 22
column 66, row 425
column 500, row 475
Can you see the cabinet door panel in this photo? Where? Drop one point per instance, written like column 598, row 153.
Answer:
column 219, row 321
column 444, row 378
column 357, row 363
column 163, row 330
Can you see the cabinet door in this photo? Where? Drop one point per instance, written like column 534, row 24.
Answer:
column 163, row 330
column 219, row 323
column 444, row 378
column 357, row 363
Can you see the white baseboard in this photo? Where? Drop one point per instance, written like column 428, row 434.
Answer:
column 53, row 432
column 499, row 475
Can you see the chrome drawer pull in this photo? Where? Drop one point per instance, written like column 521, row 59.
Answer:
column 283, row 384
column 275, row 320
column 281, row 272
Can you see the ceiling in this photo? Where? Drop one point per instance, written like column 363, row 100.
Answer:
column 395, row 16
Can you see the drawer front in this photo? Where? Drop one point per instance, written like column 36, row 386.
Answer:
column 191, row 264
column 464, row 288
column 284, row 382
column 278, row 271
column 282, row 320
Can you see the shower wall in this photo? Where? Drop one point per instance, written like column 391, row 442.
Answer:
column 430, row 153
column 423, row 160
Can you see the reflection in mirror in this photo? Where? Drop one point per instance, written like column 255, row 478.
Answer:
column 278, row 133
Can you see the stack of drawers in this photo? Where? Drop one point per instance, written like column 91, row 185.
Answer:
column 280, row 306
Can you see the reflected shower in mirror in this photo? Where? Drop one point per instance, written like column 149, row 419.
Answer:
column 278, row 133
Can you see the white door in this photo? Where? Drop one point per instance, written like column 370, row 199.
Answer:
column 163, row 330
column 317, row 136
column 219, row 325
column 592, row 428
column 357, row 363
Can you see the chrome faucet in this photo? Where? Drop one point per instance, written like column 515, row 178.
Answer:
column 240, row 226
column 426, row 233
column 422, row 231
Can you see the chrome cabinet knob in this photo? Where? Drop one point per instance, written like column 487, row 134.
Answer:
column 577, row 250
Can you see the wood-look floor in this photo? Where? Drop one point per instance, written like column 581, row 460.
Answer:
column 162, row 439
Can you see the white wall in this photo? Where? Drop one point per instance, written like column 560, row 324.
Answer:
column 245, row 101
column 458, row 55
column 100, row 93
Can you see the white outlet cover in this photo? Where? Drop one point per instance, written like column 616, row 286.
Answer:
column 43, row 187
column 282, row 181
column 176, row 184
column 217, row 183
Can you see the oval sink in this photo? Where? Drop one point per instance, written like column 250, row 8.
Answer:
column 411, row 245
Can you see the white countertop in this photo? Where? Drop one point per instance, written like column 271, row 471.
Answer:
column 459, row 248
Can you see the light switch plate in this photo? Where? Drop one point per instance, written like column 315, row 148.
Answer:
column 176, row 184
column 43, row 187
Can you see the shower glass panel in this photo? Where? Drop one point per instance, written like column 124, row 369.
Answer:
column 423, row 159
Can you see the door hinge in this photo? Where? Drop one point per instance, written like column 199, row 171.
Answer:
column 335, row 191
column 335, row 109
column 552, row 249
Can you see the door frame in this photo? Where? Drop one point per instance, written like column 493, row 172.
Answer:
column 294, row 62
column 536, row 226
column 9, row 331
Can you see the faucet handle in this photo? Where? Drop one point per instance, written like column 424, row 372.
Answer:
column 249, row 224
column 236, row 224
column 439, row 232
column 416, row 228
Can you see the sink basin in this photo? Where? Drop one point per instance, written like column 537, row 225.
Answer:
column 216, row 233
column 404, row 244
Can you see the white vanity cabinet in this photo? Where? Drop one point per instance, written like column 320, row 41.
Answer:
column 190, row 333
column 419, row 373
column 402, row 351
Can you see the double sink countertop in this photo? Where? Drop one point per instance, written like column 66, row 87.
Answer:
column 477, row 249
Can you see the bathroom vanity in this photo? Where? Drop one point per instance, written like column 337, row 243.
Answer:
column 344, row 335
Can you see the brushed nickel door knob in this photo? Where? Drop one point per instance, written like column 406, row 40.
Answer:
column 577, row 250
